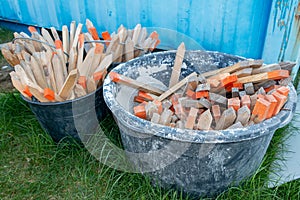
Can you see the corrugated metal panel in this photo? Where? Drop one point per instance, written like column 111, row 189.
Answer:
column 236, row 26
column 283, row 33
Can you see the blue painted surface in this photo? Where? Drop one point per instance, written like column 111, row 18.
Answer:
column 283, row 33
column 235, row 27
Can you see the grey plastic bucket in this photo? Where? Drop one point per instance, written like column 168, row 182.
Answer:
column 71, row 119
column 199, row 163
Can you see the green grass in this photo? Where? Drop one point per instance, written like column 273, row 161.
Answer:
column 34, row 167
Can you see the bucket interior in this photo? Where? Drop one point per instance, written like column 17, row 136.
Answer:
column 155, row 69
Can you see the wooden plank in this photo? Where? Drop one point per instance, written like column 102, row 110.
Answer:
column 177, row 65
column 58, row 72
column 66, row 41
column 38, row 72
column 118, row 78
column 69, row 84
column 175, row 87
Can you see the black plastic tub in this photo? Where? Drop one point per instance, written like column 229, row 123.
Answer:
column 71, row 119
column 199, row 163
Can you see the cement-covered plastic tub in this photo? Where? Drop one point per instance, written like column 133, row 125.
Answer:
column 201, row 163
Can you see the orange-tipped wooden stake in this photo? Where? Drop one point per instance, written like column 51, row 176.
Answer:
column 229, row 69
column 235, row 103
column 273, row 104
column 27, row 92
column 49, row 94
column 47, row 36
column 72, row 32
column 283, row 90
column 154, row 36
column 274, row 75
column 205, row 120
column 66, row 41
column 119, row 51
column 69, row 84
column 54, row 33
column 105, row 63
column 91, row 85
column 38, row 73
column 37, row 45
column 175, row 87
column 261, row 109
column 228, row 80
column 99, row 48
column 18, row 85
column 80, row 50
column 98, row 76
column 79, row 90
column 58, row 72
column 73, row 59
column 140, row 110
column 129, row 49
column 113, row 46
column 177, row 65
column 82, row 81
column 146, row 96
column 106, row 36
column 136, row 34
column 118, row 78
column 60, row 51
column 281, row 99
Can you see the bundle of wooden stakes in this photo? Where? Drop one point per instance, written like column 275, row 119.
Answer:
column 236, row 96
column 52, row 69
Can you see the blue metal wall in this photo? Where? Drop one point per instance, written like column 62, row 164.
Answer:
column 233, row 26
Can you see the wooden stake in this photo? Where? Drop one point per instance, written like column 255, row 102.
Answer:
column 47, row 37
column 177, row 65
column 175, row 87
column 118, row 78
column 58, row 72
column 69, row 84
column 66, row 41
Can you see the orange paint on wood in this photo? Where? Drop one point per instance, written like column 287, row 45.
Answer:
column 58, row 44
column 190, row 93
column 235, row 103
column 32, row 29
column 145, row 96
column 261, row 109
column 283, row 90
column 273, row 101
column 82, row 81
column 98, row 75
column 245, row 100
column 106, row 36
column 216, row 112
column 281, row 99
column 94, row 33
column 159, row 106
column 202, row 94
column 27, row 91
column 49, row 94
column 238, row 85
column 229, row 79
column 140, row 110
column 278, row 74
